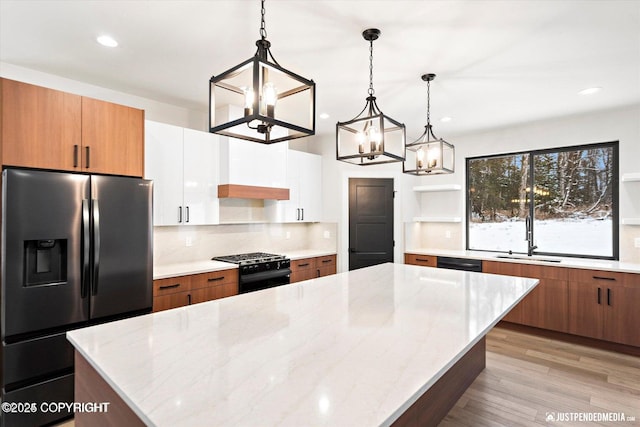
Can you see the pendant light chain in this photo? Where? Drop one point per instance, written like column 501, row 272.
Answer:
column 428, row 103
column 263, row 27
column 371, row 90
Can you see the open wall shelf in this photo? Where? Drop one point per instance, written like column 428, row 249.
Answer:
column 629, row 177
column 432, row 188
column 436, row 219
column 630, row 221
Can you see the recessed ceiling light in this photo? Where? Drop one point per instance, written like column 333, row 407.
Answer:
column 590, row 91
column 107, row 41
column 446, row 119
column 324, row 116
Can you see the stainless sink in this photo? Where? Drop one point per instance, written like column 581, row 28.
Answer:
column 527, row 258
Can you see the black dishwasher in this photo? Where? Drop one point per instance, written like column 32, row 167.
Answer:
column 460, row 264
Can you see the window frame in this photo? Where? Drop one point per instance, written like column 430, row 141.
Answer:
column 615, row 213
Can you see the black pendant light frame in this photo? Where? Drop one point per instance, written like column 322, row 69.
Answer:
column 443, row 159
column 258, row 123
column 348, row 149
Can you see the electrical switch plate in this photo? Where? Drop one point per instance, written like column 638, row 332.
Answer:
column 636, row 242
column 327, row 234
column 287, row 235
column 447, row 234
column 188, row 241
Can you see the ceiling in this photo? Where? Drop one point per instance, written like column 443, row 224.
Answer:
column 497, row 63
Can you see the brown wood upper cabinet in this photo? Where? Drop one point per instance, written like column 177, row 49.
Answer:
column 49, row 129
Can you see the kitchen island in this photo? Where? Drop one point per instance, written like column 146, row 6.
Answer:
column 357, row 348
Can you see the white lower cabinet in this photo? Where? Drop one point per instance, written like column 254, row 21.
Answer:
column 304, row 180
column 183, row 163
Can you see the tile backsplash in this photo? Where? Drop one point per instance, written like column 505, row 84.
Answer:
column 197, row 243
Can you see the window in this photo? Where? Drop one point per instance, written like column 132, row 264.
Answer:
column 550, row 202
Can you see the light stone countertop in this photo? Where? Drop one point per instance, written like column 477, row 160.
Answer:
column 356, row 348
column 586, row 263
column 164, row 271
column 186, row 268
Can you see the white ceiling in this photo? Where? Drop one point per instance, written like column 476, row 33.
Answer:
column 497, row 62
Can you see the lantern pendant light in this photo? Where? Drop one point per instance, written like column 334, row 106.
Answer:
column 260, row 101
column 429, row 155
column 371, row 137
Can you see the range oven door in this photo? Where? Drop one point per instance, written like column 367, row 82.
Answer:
column 263, row 280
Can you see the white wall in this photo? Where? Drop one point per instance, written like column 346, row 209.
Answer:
column 154, row 110
column 621, row 124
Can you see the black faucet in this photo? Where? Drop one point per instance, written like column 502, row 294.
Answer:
column 529, row 237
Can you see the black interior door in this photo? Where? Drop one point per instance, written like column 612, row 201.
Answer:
column 370, row 221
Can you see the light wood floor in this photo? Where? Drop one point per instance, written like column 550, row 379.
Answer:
column 528, row 378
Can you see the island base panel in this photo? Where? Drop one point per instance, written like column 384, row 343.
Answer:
column 435, row 403
column 90, row 387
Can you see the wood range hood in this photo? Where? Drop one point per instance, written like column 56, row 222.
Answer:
column 236, row 191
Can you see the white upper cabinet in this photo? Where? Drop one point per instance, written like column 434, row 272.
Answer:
column 183, row 164
column 304, row 180
column 253, row 164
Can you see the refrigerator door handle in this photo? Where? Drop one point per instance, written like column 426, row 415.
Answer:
column 95, row 212
column 86, row 248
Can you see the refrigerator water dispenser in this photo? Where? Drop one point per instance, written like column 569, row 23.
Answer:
column 45, row 262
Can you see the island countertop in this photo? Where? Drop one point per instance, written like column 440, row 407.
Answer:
column 355, row 348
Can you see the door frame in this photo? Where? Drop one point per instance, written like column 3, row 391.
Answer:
column 398, row 226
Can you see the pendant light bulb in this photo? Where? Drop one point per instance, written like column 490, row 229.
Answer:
column 249, row 97
column 433, row 154
column 419, row 158
column 270, row 98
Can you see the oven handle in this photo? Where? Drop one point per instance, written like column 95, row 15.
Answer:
column 264, row 275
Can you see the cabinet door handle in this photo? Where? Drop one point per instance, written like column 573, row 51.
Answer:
column 326, row 260
column 179, row 213
column 608, row 296
column 215, row 279
column 188, row 299
column 303, row 265
column 169, row 286
column 422, row 260
column 187, row 209
column 599, row 295
column 612, row 279
column 75, row 156
column 318, row 272
column 302, row 217
column 87, row 153
column 297, row 214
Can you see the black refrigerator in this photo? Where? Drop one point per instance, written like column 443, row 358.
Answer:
column 76, row 250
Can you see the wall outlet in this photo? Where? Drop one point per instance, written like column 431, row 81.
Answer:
column 188, row 241
column 326, row 234
column 636, row 242
column 447, row 234
column 287, row 235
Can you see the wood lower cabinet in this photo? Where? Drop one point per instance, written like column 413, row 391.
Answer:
column 546, row 305
column 604, row 305
column 192, row 289
column 326, row 265
column 311, row 268
column 49, row 129
column 424, row 260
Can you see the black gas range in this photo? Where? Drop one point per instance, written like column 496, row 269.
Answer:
column 259, row 270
